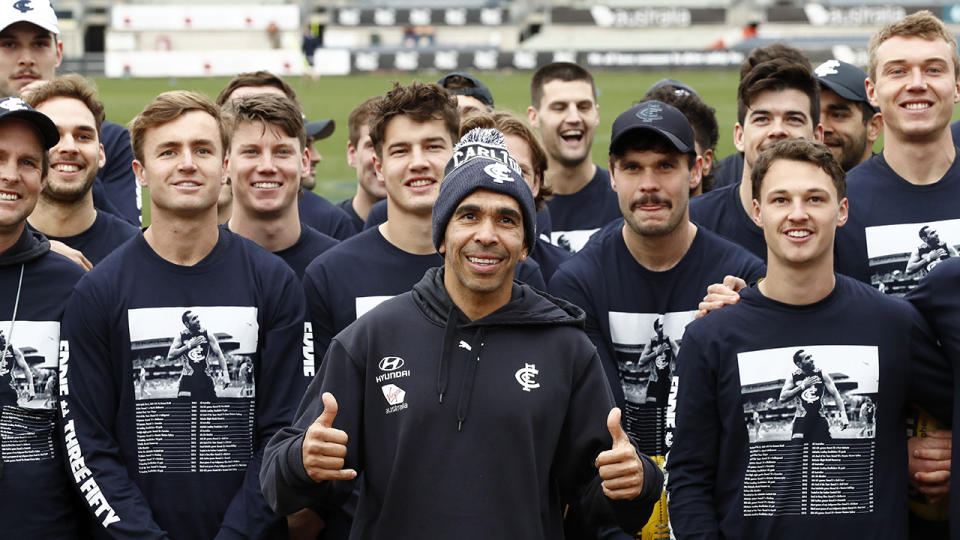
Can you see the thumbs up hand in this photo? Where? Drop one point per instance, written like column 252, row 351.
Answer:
column 620, row 467
column 325, row 447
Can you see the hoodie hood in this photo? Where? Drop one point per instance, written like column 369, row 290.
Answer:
column 31, row 245
column 527, row 307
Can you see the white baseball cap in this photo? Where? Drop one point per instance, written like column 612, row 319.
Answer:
column 38, row 12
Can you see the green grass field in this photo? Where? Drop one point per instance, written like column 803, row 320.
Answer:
column 335, row 97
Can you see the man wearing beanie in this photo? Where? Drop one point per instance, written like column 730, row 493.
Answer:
column 472, row 399
column 640, row 280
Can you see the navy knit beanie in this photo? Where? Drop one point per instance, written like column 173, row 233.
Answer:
column 481, row 161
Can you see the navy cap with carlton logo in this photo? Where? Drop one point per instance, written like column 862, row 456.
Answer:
column 844, row 79
column 657, row 117
column 14, row 107
column 479, row 90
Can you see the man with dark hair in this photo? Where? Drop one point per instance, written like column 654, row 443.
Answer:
column 777, row 99
column 563, row 108
column 31, row 52
column 640, row 279
column 166, row 464
column 315, row 211
column 472, row 95
column 34, row 286
column 850, row 123
column 265, row 160
column 703, row 120
column 413, row 130
column 726, row 480
column 466, row 425
column 65, row 211
column 729, row 170
column 360, row 154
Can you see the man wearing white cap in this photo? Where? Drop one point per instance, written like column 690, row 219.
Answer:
column 30, row 51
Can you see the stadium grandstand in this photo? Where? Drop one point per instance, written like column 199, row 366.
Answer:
column 140, row 38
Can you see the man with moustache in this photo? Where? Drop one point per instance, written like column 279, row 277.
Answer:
column 640, row 280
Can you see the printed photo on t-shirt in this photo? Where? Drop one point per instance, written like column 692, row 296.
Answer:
column 900, row 255
column 572, row 241
column 29, row 353
column 646, row 347
column 810, row 414
column 196, row 353
column 194, row 381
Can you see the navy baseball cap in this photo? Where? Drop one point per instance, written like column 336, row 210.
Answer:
column 844, row 79
column 659, row 118
column 479, row 90
column 14, row 107
column 678, row 87
column 320, row 129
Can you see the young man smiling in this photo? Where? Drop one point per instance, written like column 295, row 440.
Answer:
column 190, row 472
column 777, row 99
column 265, row 161
column 65, row 211
column 563, row 109
column 915, row 81
column 640, row 281
column 484, row 408
column 726, row 480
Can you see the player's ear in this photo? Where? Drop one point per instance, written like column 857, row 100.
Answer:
column 738, row 137
column 757, row 216
column 138, row 173
column 844, row 212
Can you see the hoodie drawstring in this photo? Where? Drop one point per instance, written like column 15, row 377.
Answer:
column 463, row 405
column 449, row 336
column 13, row 318
column 9, row 343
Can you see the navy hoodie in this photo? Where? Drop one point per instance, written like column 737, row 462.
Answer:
column 760, row 450
column 462, row 429
column 34, row 485
column 159, row 445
